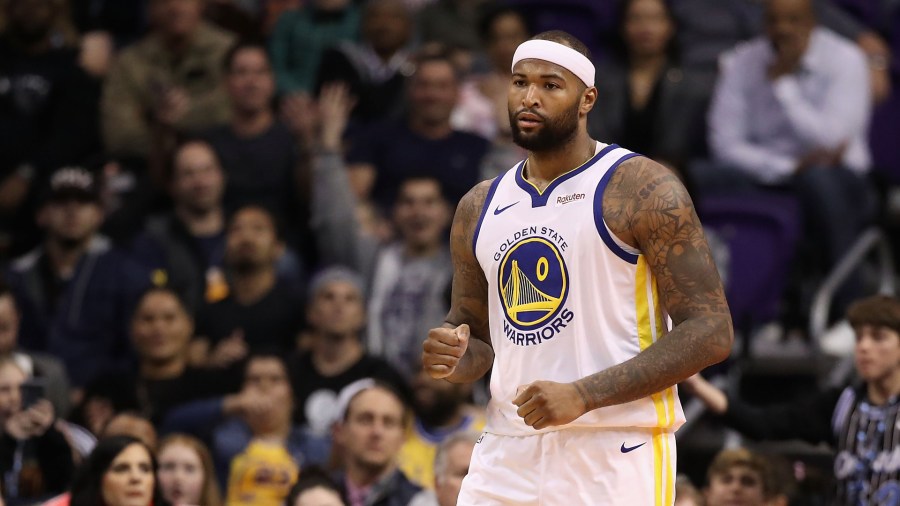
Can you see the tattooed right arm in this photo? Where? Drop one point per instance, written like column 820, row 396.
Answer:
column 468, row 304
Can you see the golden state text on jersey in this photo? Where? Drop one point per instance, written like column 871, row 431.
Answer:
column 533, row 284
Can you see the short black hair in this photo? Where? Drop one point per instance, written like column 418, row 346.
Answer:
column 277, row 223
column 265, row 353
column 231, row 54
column 311, row 477
column 566, row 39
column 437, row 54
column 163, row 289
column 618, row 46
column 418, row 179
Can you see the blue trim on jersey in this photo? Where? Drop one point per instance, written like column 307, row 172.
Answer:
column 487, row 203
column 598, row 213
column 540, row 198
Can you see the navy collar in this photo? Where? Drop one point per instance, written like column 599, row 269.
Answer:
column 539, row 198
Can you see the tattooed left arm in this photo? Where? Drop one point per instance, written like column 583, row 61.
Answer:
column 647, row 206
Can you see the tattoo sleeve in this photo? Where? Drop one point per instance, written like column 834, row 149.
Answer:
column 468, row 303
column 648, row 206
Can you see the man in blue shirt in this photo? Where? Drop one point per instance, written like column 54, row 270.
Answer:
column 424, row 144
column 76, row 291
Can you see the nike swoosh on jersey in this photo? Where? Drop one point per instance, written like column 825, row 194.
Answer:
column 498, row 209
column 628, row 449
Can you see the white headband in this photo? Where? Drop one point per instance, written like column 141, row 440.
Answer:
column 558, row 54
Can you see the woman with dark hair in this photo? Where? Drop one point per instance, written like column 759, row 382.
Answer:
column 647, row 102
column 481, row 108
column 315, row 488
column 121, row 471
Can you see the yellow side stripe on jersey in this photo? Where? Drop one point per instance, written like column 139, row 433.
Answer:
column 642, row 304
column 650, row 328
column 668, row 399
column 646, row 299
column 669, row 393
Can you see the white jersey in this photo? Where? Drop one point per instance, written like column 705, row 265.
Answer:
column 566, row 298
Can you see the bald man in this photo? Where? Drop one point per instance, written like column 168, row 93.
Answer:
column 790, row 113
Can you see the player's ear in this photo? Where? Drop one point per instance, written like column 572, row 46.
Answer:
column 588, row 99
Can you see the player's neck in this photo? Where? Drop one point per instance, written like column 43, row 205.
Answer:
column 882, row 389
column 545, row 166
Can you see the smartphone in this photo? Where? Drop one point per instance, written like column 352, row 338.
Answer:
column 32, row 391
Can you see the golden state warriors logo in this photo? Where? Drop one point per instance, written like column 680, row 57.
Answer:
column 533, row 283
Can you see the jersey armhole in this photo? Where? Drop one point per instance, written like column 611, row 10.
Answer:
column 613, row 243
column 484, row 209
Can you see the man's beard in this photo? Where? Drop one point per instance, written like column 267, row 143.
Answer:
column 245, row 266
column 70, row 243
column 198, row 209
column 552, row 135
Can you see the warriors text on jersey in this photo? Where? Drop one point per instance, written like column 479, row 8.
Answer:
column 566, row 297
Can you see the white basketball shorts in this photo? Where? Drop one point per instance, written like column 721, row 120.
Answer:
column 573, row 467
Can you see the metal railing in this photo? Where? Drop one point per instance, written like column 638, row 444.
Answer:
column 871, row 239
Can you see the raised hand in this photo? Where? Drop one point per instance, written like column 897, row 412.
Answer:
column 335, row 104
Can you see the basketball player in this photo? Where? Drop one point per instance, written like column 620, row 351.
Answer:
column 568, row 269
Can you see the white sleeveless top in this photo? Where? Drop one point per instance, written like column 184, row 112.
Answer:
column 566, row 298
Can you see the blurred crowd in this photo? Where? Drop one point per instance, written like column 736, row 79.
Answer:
column 224, row 223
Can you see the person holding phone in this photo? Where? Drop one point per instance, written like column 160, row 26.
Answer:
column 35, row 458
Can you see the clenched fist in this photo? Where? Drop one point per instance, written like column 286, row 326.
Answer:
column 544, row 404
column 443, row 349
